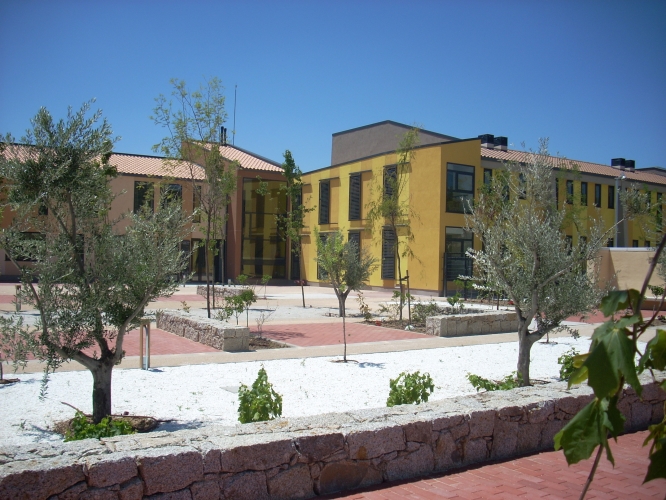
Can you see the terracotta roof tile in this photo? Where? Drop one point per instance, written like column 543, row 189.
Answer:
column 584, row 166
column 154, row 166
column 248, row 160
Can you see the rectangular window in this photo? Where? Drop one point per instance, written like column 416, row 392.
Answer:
column 487, row 176
column 597, row 195
column 647, row 244
column 611, row 196
column 321, row 274
column 388, row 254
column 171, row 193
column 196, row 203
column 523, row 186
column 390, row 180
column 583, row 193
column 355, row 197
column 634, row 243
column 610, row 243
column 459, row 187
column 355, row 238
column 569, row 240
column 569, row 192
column 143, row 195
column 324, row 201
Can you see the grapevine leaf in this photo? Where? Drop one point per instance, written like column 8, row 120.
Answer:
column 657, row 467
column 582, row 434
column 655, row 353
column 579, row 376
column 579, row 359
column 613, row 302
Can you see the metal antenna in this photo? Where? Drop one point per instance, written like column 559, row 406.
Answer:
column 233, row 137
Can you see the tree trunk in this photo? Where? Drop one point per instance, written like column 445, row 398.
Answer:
column 344, row 330
column 102, row 390
column 206, row 260
column 397, row 256
column 525, row 343
column 303, row 293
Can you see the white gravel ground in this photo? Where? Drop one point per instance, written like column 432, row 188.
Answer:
column 189, row 395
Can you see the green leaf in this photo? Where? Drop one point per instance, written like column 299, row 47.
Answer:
column 612, row 356
column 657, row 467
column 615, row 301
column 655, row 353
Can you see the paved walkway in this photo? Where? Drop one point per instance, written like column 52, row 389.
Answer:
column 542, row 476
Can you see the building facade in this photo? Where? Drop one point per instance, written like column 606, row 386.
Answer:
column 443, row 171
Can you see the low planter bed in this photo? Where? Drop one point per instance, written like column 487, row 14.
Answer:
column 479, row 322
column 206, row 331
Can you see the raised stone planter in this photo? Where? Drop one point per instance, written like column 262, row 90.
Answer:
column 206, row 331
column 306, row 457
column 479, row 323
column 219, row 291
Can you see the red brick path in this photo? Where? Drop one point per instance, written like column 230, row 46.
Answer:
column 316, row 334
column 542, row 476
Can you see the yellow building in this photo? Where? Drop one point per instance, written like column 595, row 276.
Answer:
column 443, row 170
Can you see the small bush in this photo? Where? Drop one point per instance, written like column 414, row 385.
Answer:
column 567, row 362
column 259, row 403
column 422, row 310
column 83, row 428
column 410, row 388
column 506, row 384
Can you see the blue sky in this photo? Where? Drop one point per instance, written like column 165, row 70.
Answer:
column 590, row 75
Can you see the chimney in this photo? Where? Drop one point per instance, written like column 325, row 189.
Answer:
column 618, row 163
column 487, row 141
column 223, row 136
column 501, row 143
column 630, row 165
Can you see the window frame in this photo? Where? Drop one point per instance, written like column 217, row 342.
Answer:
column 140, row 200
column 355, row 196
column 452, row 192
column 597, row 195
column 324, row 201
column 611, row 197
column 584, row 194
column 388, row 257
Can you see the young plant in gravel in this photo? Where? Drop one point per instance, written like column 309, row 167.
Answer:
column 83, row 428
column 615, row 359
column 566, row 362
column 344, row 267
column 410, row 388
column 506, row 384
column 259, row 403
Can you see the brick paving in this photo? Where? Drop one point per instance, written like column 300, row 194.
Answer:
column 319, row 334
column 542, row 476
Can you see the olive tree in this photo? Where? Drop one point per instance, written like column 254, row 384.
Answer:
column 526, row 253
column 93, row 280
column 345, row 267
column 194, row 119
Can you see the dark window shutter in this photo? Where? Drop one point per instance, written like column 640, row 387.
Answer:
column 321, row 274
column 355, row 237
column 355, row 197
column 390, row 177
column 324, row 201
column 388, row 254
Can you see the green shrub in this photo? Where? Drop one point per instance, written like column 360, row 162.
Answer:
column 83, row 428
column 259, row 403
column 567, row 362
column 410, row 388
column 506, row 384
column 421, row 310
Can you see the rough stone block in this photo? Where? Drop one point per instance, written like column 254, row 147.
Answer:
column 420, row 432
column 131, row 490
column 110, row 470
column 74, row 492
column 447, row 452
column 170, row 470
column 205, row 490
column 245, row 485
column 529, row 438
column 319, row 447
column 259, row 456
column 370, row 444
column 341, row 476
column 173, row 495
column 505, row 439
column 414, row 464
column 38, row 480
column 481, row 424
column 475, row 450
column 97, row 494
column 294, row 482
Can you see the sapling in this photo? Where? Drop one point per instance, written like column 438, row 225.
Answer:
column 259, row 403
column 410, row 388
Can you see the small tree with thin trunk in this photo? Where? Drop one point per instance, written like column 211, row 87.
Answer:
column 94, row 282
column 392, row 208
column 291, row 224
column 344, row 267
column 526, row 253
column 194, row 123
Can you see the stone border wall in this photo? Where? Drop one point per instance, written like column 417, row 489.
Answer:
column 481, row 323
column 220, row 291
column 206, row 331
column 305, row 457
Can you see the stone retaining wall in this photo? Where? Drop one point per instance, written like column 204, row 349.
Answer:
column 481, row 323
column 219, row 291
column 206, row 331
column 305, row 457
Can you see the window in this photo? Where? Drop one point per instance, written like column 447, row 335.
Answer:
column 569, row 192
column 557, row 191
column 647, row 244
column 487, row 176
column 390, row 180
column 172, row 193
column 324, row 201
column 523, row 186
column 583, row 193
column 597, row 195
column 611, row 196
column 458, row 241
column 196, row 203
column 321, row 274
column 459, row 187
column 610, row 243
column 143, row 195
column 355, row 197
column 355, row 237
column 569, row 244
column 388, row 254
column 634, row 243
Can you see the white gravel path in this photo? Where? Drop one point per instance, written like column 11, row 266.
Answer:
column 193, row 394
